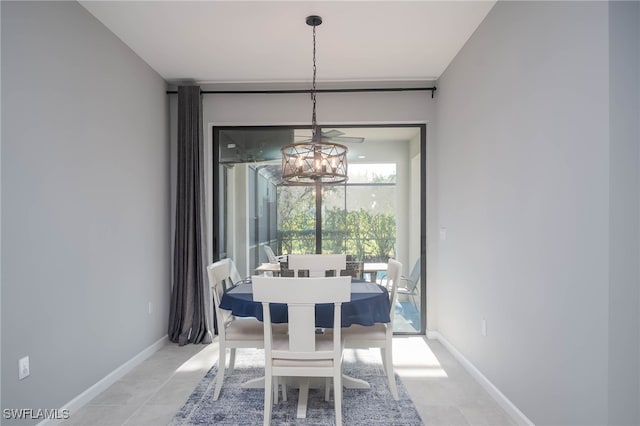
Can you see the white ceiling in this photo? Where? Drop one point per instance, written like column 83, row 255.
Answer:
column 269, row 41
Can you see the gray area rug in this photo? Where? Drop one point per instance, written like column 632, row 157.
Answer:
column 238, row 406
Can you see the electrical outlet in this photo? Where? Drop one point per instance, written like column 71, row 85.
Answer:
column 443, row 234
column 150, row 308
column 484, row 327
column 23, row 368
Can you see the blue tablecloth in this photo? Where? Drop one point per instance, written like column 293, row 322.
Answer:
column 369, row 305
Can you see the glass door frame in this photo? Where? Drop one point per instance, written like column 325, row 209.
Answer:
column 423, row 197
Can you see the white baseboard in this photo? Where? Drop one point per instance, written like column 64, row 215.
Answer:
column 432, row 335
column 495, row 393
column 76, row 403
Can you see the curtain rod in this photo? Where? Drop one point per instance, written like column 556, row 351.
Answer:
column 259, row 92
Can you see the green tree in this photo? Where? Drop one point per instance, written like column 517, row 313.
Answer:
column 382, row 232
column 364, row 235
column 334, row 230
column 357, row 228
column 296, row 220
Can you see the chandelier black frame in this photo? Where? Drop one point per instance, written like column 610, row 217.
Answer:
column 315, row 161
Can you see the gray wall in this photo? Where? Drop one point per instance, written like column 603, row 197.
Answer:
column 524, row 186
column 624, row 276
column 85, row 202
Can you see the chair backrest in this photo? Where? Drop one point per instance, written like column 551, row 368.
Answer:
column 317, row 264
column 301, row 299
column 270, row 254
column 414, row 276
column 219, row 276
column 354, row 268
column 394, row 269
column 233, row 273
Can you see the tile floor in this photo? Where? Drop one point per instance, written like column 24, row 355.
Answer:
column 151, row 394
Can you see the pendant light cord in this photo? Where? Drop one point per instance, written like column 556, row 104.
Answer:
column 314, row 125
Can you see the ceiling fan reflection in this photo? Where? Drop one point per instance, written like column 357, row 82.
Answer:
column 333, row 136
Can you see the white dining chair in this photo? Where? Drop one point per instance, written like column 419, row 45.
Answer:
column 233, row 332
column 272, row 256
column 302, row 352
column 317, row 264
column 410, row 287
column 379, row 335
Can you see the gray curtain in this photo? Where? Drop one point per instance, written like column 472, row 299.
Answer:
column 190, row 311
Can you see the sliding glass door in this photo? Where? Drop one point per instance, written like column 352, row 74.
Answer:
column 376, row 215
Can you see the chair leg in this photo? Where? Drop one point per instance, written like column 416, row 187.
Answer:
column 267, row 399
column 384, row 360
column 222, row 361
column 303, row 398
column 391, row 377
column 327, row 388
column 232, row 360
column 337, row 397
column 283, row 383
column 276, row 382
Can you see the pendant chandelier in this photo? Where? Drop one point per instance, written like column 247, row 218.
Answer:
column 316, row 161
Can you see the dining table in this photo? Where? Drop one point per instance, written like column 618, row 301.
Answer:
column 369, row 304
column 373, row 268
column 269, row 268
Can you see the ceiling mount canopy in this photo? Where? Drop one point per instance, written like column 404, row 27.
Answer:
column 314, row 161
column 314, row 20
